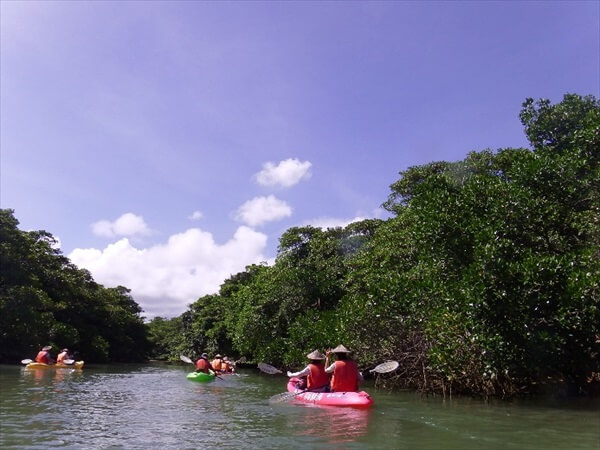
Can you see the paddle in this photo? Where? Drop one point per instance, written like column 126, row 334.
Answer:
column 26, row 361
column 285, row 396
column 267, row 368
column 189, row 361
column 386, row 367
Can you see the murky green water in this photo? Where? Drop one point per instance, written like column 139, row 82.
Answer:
column 155, row 406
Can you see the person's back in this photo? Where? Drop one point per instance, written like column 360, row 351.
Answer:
column 345, row 376
column 202, row 365
column 62, row 356
column 317, row 378
column 43, row 356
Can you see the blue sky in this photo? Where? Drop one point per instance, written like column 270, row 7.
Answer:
column 167, row 145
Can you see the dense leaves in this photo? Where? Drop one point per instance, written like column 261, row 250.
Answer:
column 44, row 299
column 485, row 280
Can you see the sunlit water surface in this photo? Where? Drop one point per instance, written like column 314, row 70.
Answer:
column 155, row 406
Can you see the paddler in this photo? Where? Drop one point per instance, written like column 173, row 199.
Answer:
column 62, row 356
column 43, row 355
column 204, row 365
column 346, row 375
column 316, row 378
column 227, row 365
column 217, row 363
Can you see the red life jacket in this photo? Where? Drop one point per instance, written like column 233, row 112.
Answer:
column 43, row 357
column 61, row 357
column 317, row 377
column 345, row 376
column 202, row 365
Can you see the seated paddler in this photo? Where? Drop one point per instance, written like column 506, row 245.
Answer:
column 316, row 378
column 346, row 375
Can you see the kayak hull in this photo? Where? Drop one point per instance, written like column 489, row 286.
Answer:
column 200, row 376
column 348, row 399
column 36, row 365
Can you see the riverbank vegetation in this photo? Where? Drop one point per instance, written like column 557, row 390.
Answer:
column 485, row 279
column 45, row 299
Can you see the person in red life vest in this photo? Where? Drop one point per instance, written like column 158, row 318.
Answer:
column 43, row 355
column 217, row 363
column 316, row 378
column 346, row 375
column 63, row 356
column 204, row 365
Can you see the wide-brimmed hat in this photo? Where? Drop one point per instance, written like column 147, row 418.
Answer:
column 65, row 350
column 46, row 348
column 204, row 355
column 315, row 355
column 340, row 349
column 217, row 356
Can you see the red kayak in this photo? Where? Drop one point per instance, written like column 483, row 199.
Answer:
column 351, row 399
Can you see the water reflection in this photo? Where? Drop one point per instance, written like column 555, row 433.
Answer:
column 337, row 425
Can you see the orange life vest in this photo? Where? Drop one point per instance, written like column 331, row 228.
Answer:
column 43, row 357
column 345, row 376
column 217, row 364
column 202, row 365
column 317, row 377
column 61, row 357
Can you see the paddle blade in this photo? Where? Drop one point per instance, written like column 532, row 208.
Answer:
column 386, row 367
column 283, row 397
column 26, row 361
column 69, row 361
column 186, row 359
column 266, row 368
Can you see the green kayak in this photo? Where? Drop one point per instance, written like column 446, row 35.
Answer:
column 200, row 376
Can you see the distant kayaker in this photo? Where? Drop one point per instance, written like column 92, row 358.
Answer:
column 62, row 356
column 316, row 378
column 204, row 365
column 217, row 363
column 346, row 375
column 226, row 365
column 43, row 355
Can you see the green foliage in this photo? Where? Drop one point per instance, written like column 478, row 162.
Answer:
column 45, row 299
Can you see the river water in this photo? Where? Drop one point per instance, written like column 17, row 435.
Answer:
column 155, row 406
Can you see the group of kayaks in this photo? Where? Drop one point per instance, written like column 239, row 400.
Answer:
column 349, row 399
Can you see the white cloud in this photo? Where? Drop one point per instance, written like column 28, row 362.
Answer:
column 165, row 278
column 260, row 210
column 196, row 215
column 332, row 222
column 287, row 173
column 127, row 225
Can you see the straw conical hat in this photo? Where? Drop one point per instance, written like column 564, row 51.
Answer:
column 340, row 349
column 315, row 355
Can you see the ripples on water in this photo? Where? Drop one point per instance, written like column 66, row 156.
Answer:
column 157, row 407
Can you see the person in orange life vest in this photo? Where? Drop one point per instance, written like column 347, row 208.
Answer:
column 43, row 355
column 346, row 375
column 217, row 363
column 204, row 365
column 226, row 365
column 62, row 356
column 316, row 378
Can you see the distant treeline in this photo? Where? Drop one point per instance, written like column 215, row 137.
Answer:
column 47, row 300
column 485, row 280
